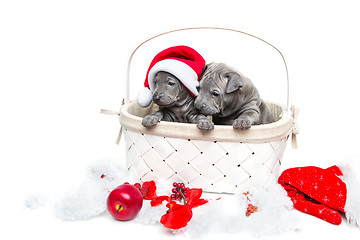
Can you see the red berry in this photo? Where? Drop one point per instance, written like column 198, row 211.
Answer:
column 173, row 196
column 175, row 184
column 174, row 190
column 182, row 185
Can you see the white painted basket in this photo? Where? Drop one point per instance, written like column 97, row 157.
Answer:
column 221, row 160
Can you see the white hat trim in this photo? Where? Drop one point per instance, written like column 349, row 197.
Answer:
column 181, row 70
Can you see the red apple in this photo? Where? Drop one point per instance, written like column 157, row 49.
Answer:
column 124, row 202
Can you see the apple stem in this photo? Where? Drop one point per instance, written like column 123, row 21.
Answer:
column 118, row 209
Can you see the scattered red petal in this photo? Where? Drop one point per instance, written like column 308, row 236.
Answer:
column 251, row 209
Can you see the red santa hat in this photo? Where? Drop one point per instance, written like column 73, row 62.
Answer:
column 181, row 61
column 324, row 193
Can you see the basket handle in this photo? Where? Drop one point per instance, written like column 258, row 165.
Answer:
column 127, row 87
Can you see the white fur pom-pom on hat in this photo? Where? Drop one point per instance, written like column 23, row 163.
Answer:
column 144, row 97
column 181, row 61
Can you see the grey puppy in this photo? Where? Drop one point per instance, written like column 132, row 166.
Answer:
column 176, row 104
column 231, row 98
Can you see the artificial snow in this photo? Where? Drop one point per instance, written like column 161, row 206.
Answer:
column 89, row 198
column 273, row 215
column 35, row 201
column 150, row 215
column 83, row 202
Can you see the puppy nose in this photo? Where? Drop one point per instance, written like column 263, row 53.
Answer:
column 199, row 105
column 158, row 96
column 203, row 105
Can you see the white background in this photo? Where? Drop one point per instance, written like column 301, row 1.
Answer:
column 62, row 61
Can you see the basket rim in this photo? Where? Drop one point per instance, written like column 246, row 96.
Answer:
column 256, row 134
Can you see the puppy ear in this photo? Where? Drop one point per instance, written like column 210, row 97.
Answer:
column 234, row 82
column 203, row 71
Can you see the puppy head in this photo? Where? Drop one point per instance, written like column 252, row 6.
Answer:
column 168, row 91
column 217, row 84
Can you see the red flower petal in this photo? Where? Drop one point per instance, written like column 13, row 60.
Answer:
column 194, row 198
column 178, row 217
column 158, row 200
column 151, row 193
column 144, row 190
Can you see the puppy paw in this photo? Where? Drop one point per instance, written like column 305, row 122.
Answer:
column 205, row 124
column 150, row 120
column 242, row 124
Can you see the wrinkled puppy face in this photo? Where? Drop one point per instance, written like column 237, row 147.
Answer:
column 168, row 89
column 216, row 83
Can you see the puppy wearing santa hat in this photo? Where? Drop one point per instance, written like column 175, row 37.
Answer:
column 172, row 82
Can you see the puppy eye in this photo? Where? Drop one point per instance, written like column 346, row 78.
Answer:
column 215, row 94
column 171, row 83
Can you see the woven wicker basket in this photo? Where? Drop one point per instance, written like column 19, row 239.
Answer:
column 221, row 160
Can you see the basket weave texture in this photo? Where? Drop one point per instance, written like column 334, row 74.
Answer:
column 204, row 161
column 212, row 165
